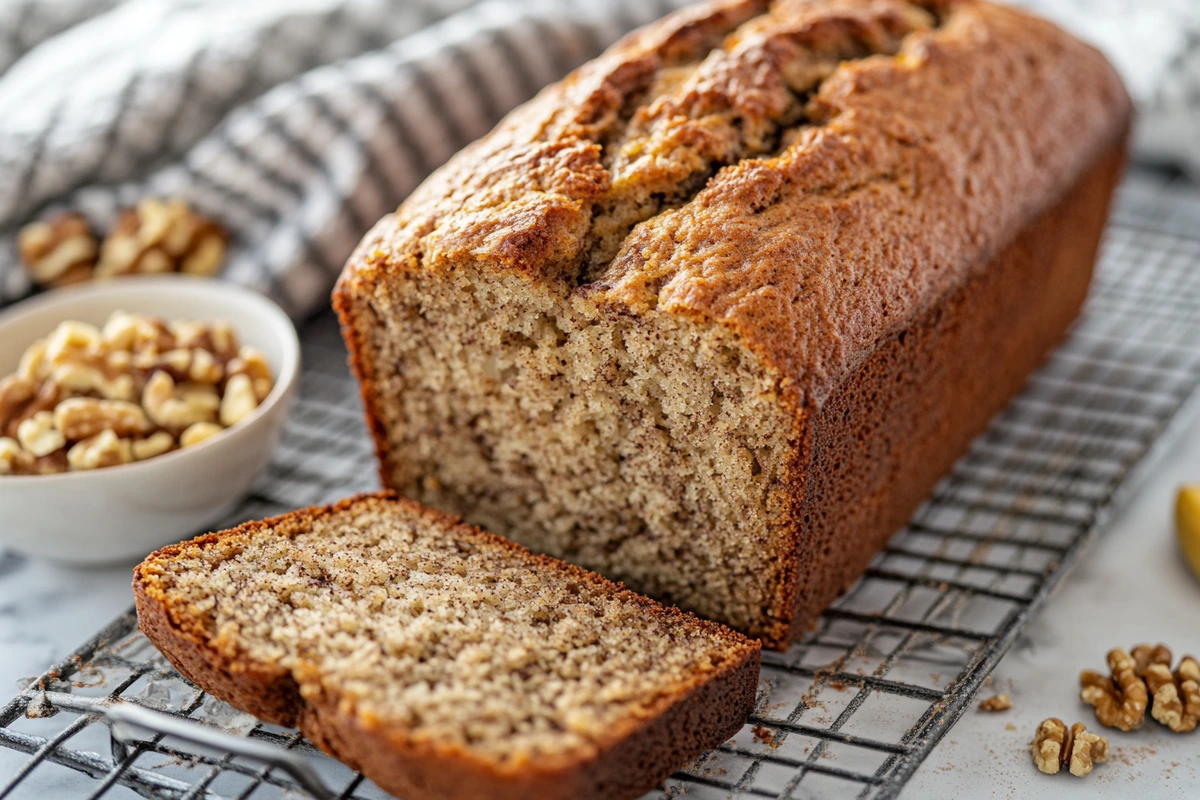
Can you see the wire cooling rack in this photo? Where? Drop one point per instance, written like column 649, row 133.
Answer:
column 849, row 712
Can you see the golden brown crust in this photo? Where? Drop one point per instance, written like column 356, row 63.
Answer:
column 901, row 178
column 930, row 162
column 635, row 756
column 905, row 172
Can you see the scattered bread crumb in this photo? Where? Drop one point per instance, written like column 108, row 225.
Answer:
column 763, row 734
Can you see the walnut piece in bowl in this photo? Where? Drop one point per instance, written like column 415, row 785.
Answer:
column 89, row 397
column 120, row 432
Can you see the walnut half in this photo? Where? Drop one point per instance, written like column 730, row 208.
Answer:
column 84, row 417
column 1056, row 746
column 39, row 436
column 105, row 449
column 1142, row 679
column 1120, row 700
column 1174, row 696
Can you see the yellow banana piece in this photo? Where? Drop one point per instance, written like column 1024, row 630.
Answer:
column 1187, row 525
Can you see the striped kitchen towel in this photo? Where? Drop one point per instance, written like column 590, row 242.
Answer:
column 298, row 123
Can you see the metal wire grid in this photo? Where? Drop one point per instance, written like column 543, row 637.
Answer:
column 853, row 709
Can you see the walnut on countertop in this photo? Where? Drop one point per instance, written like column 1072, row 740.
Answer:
column 58, row 252
column 1056, row 746
column 1174, row 696
column 1142, row 681
column 162, row 236
column 157, row 236
column 1121, row 700
column 1144, row 656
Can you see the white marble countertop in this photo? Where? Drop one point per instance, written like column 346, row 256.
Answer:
column 1131, row 587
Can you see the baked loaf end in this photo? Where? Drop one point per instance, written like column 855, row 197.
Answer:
column 713, row 314
column 442, row 661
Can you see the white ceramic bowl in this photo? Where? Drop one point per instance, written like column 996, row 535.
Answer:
column 122, row 513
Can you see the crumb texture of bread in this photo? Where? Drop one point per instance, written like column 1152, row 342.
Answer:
column 433, row 637
column 645, row 323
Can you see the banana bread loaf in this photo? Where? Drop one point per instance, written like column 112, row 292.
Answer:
column 442, row 661
column 713, row 315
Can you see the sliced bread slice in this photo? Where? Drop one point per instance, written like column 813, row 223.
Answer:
column 443, row 661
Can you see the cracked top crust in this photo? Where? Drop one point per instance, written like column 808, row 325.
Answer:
column 812, row 175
